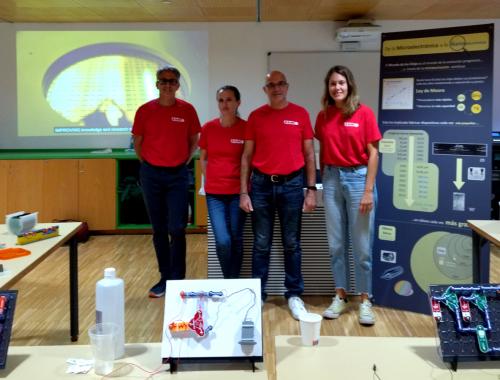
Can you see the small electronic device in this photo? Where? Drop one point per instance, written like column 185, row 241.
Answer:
column 247, row 333
column 464, row 308
column 482, row 340
column 436, row 310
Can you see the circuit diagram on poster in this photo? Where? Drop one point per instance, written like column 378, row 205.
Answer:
column 397, row 93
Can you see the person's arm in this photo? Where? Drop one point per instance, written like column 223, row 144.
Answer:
column 193, row 145
column 366, row 204
column 203, row 167
column 194, row 133
column 309, row 157
column 138, row 146
column 318, row 134
column 321, row 164
column 246, row 159
column 203, row 162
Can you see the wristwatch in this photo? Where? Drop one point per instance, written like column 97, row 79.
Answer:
column 313, row 188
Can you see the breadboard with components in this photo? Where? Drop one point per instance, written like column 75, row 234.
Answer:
column 212, row 320
column 468, row 321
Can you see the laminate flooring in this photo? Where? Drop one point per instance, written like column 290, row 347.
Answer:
column 42, row 312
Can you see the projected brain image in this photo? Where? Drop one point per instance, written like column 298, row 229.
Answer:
column 75, row 86
column 99, row 87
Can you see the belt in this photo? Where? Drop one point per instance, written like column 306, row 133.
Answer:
column 169, row 169
column 279, row 178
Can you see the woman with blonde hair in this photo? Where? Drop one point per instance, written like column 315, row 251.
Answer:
column 348, row 134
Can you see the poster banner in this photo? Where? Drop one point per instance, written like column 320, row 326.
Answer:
column 435, row 115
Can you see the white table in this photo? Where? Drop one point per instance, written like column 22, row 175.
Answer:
column 49, row 363
column 355, row 357
column 14, row 269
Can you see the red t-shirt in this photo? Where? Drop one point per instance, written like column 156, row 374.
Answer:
column 166, row 131
column 279, row 137
column 224, row 146
column 344, row 141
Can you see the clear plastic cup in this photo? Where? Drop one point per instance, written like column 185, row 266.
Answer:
column 102, row 341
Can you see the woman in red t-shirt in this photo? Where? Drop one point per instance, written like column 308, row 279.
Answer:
column 221, row 144
column 348, row 134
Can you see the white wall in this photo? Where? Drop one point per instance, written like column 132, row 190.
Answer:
column 237, row 55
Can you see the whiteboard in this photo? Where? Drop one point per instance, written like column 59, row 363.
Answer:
column 305, row 71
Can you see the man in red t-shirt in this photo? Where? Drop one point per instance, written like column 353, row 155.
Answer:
column 166, row 132
column 279, row 152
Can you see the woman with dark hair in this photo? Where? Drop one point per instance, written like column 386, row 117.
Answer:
column 348, row 134
column 221, row 144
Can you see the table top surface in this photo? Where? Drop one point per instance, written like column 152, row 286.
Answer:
column 488, row 229
column 49, row 363
column 13, row 269
column 355, row 357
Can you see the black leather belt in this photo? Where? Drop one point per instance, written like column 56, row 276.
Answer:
column 279, row 178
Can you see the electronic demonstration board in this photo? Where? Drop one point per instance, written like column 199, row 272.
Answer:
column 468, row 321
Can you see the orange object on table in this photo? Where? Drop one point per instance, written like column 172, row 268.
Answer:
column 12, row 253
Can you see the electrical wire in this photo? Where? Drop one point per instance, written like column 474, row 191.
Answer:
column 232, row 294
column 152, row 373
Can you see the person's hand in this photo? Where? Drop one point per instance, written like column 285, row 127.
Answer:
column 366, row 204
column 309, row 201
column 245, row 202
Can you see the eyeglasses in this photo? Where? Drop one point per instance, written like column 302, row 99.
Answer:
column 172, row 81
column 280, row 84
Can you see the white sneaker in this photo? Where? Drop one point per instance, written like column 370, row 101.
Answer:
column 366, row 316
column 296, row 306
column 336, row 308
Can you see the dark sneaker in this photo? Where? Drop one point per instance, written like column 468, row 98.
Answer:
column 158, row 290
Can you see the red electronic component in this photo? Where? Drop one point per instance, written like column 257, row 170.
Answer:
column 3, row 307
column 465, row 309
column 436, row 310
column 178, row 326
column 196, row 324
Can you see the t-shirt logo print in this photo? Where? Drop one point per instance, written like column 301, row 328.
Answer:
column 237, row 141
column 351, row 124
column 177, row 119
column 290, row 122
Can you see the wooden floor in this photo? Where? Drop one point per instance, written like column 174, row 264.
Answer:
column 42, row 312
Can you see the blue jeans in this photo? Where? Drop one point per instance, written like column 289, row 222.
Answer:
column 343, row 189
column 165, row 192
column 287, row 198
column 227, row 221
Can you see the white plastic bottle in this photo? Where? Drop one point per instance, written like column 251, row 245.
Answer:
column 110, row 306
